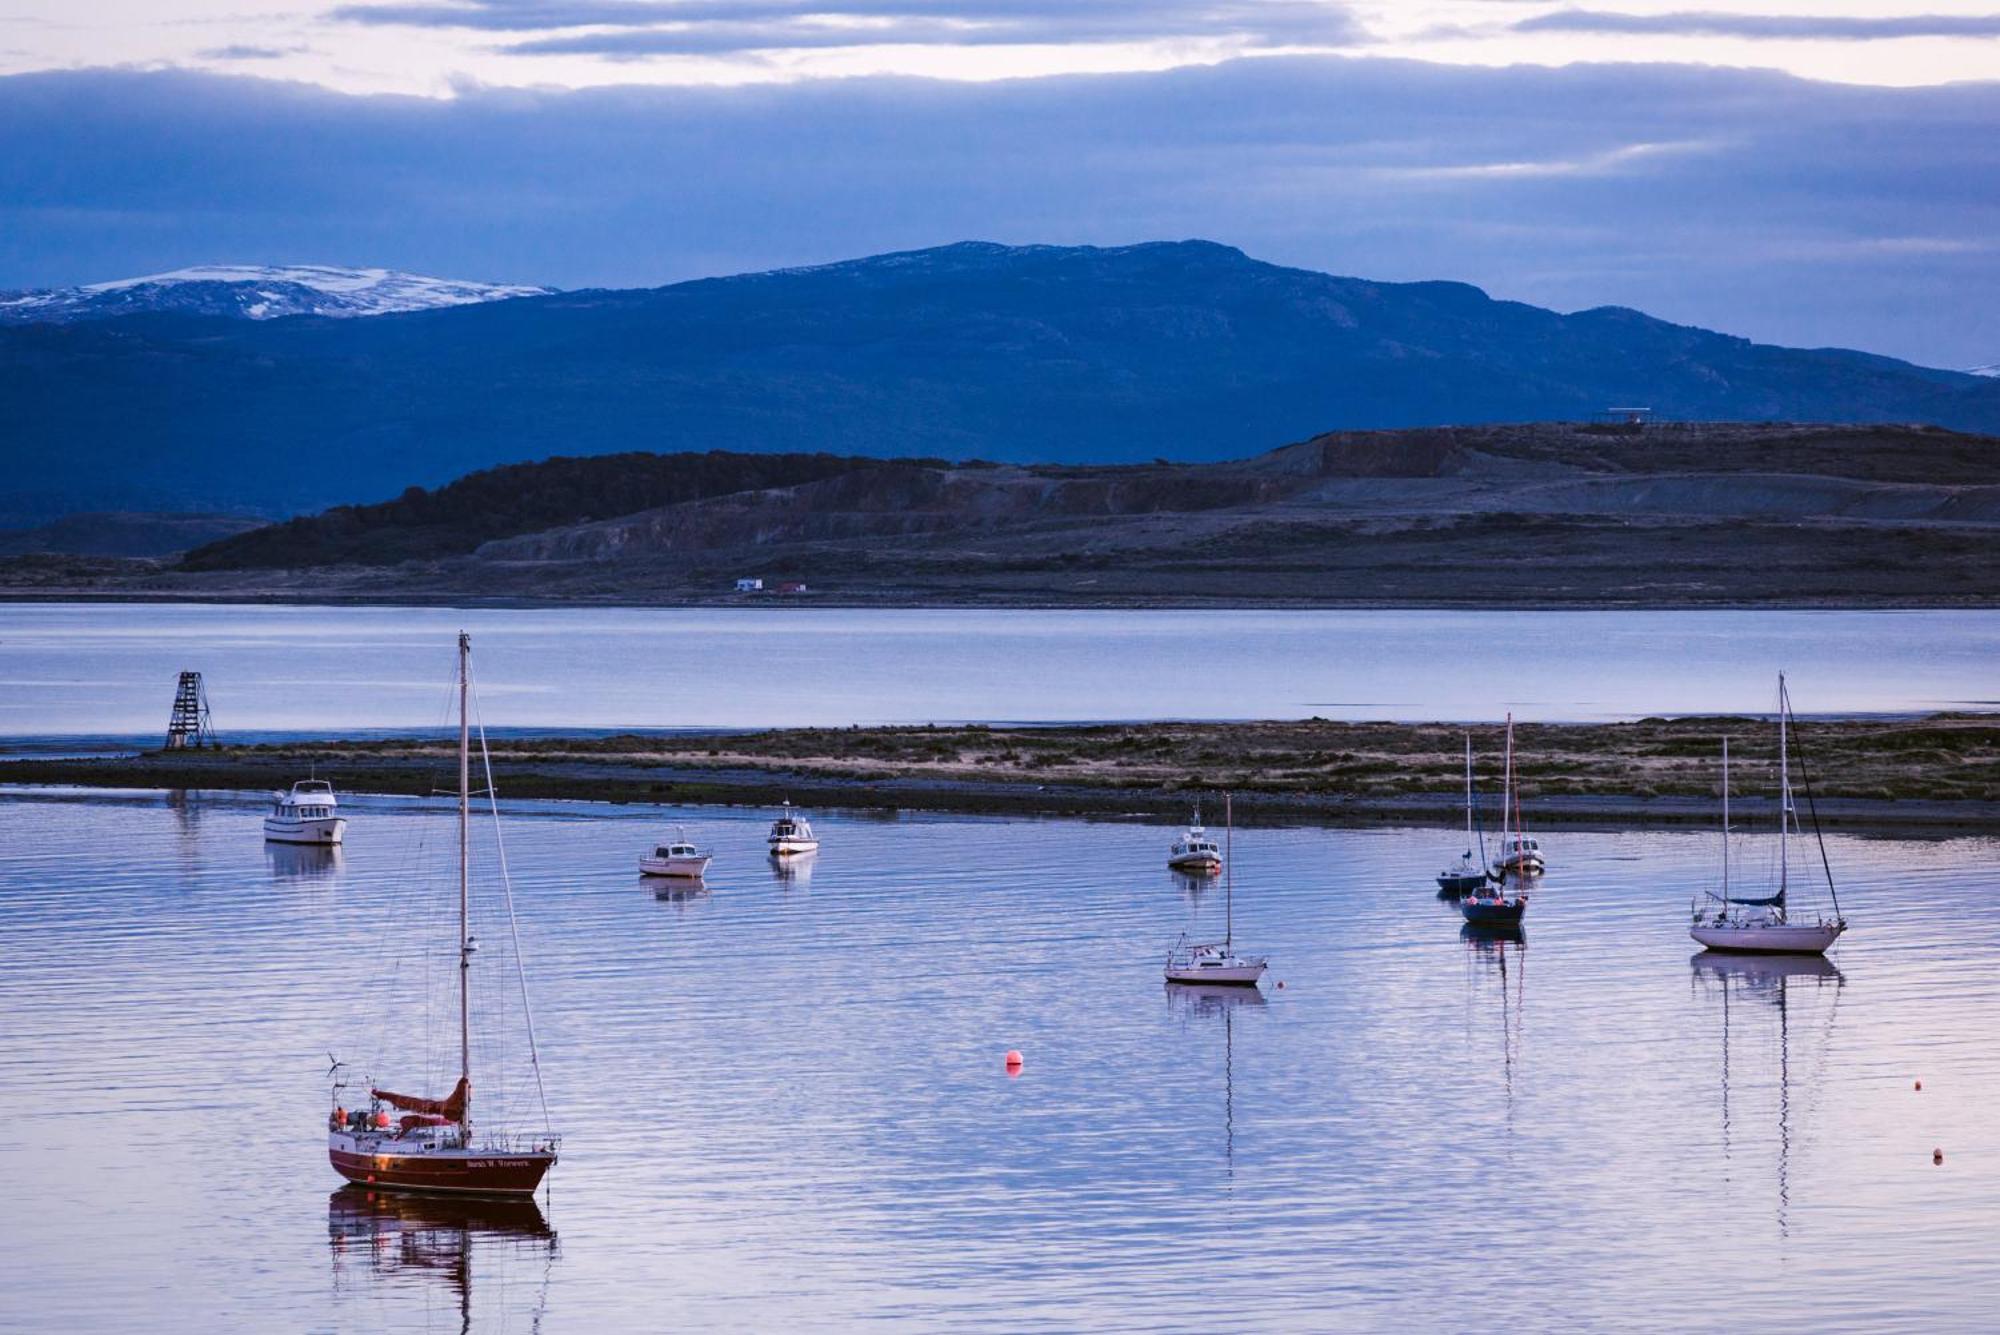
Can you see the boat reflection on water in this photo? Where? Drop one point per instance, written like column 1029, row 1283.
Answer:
column 681, row 892
column 1487, row 937
column 303, row 862
column 1194, row 885
column 793, row 869
column 379, row 1237
column 1783, row 992
column 1488, row 948
column 1198, row 1003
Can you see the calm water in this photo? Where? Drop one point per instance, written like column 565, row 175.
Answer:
column 784, row 1106
column 110, row 669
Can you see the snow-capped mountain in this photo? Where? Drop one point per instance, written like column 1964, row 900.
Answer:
column 1991, row 369
column 254, row 292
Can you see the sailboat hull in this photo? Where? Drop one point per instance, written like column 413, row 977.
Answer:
column 1218, row 975
column 1769, row 938
column 1493, row 913
column 381, row 1164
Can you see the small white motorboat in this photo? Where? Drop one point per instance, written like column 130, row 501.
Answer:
column 306, row 815
column 1216, row 963
column 1521, row 854
column 676, row 858
column 1769, row 924
column 791, row 834
column 1196, row 849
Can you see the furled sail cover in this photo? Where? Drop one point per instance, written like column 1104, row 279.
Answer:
column 1771, row 902
column 452, row 1108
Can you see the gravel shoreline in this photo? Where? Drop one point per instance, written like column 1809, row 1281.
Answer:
column 1932, row 776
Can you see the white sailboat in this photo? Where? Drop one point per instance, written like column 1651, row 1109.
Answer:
column 1217, row 963
column 1467, row 873
column 1196, row 849
column 1769, row 924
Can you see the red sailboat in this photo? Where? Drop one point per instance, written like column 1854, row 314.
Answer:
column 431, row 1145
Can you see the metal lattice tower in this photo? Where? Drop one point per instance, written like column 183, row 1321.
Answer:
column 190, row 725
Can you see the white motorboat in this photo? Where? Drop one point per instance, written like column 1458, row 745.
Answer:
column 1522, row 855
column 791, row 834
column 1520, row 852
column 308, row 814
column 1196, row 849
column 1468, row 873
column 1769, row 924
column 676, row 858
column 1216, row 963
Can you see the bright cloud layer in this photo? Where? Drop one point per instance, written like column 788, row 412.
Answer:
column 1782, row 209
column 432, row 47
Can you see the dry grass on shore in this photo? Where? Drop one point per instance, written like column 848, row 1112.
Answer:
column 1939, row 758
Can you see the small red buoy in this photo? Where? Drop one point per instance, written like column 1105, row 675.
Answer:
column 1281, row 984
column 1014, row 1061
column 1937, row 1156
column 1920, row 1086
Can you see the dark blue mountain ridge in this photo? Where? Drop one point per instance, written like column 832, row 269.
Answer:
column 1182, row 350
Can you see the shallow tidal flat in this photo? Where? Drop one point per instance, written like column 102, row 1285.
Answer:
column 1939, row 772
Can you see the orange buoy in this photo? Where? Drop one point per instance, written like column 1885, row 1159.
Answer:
column 1013, row 1061
column 382, row 1120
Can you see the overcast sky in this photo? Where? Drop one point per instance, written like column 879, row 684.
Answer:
column 1806, row 171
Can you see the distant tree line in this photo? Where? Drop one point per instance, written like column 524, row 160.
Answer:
column 509, row 500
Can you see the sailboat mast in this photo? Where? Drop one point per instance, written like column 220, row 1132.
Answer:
column 464, row 876
column 1784, row 795
column 1228, row 872
column 1468, row 792
column 1725, row 820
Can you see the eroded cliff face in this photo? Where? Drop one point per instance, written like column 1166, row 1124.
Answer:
column 1703, row 472
column 1560, row 514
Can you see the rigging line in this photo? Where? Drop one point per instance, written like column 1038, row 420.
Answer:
column 1805, row 782
column 389, row 951
column 513, row 926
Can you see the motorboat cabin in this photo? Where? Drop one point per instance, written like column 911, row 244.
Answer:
column 308, row 814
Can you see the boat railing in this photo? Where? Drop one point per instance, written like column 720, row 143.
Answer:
column 519, row 1142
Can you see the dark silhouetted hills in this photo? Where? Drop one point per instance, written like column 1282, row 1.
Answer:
column 1188, row 351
